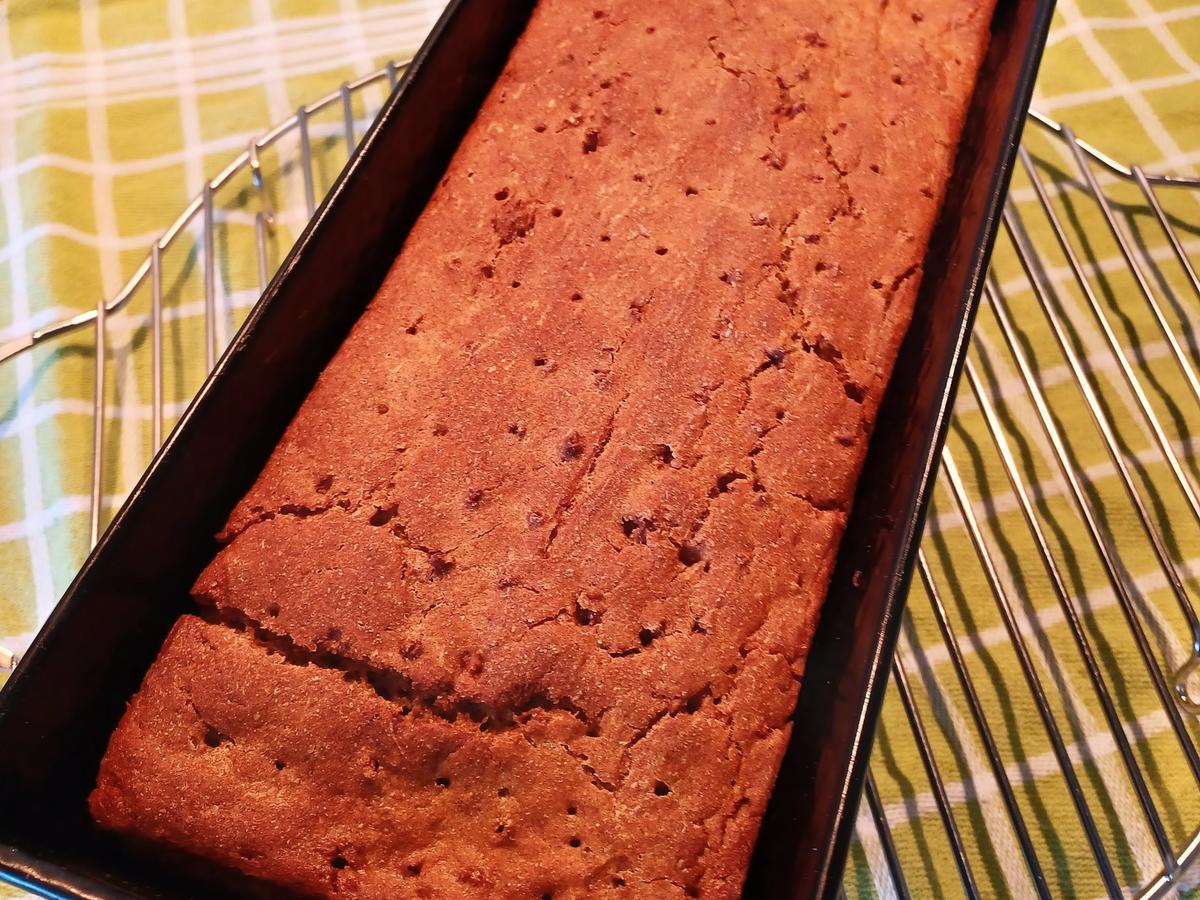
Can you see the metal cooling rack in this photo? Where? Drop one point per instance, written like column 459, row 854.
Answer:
column 268, row 201
column 1171, row 684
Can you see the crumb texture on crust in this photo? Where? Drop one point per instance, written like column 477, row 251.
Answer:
column 520, row 604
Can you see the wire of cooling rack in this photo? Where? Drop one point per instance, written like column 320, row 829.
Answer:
column 248, row 159
column 1170, row 684
column 1171, row 689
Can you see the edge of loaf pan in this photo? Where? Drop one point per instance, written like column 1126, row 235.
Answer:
column 64, row 700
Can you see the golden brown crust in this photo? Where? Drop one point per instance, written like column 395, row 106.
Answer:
column 285, row 768
column 579, row 473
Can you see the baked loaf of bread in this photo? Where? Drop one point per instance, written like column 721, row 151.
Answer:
column 520, row 604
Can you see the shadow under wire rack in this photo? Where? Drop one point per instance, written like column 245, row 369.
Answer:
column 1045, row 676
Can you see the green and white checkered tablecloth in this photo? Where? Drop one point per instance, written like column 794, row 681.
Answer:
column 112, row 114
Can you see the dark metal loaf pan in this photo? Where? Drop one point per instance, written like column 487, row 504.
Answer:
column 65, row 698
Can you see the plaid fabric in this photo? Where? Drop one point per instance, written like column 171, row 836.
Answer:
column 112, row 115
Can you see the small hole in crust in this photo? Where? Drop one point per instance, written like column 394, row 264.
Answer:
column 776, row 160
column 273, row 610
column 636, row 527
column 646, row 637
column 442, row 781
column 382, row 515
column 326, row 481
column 662, row 251
column 576, row 297
column 516, row 284
column 487, row 271
column 413, row 870
column 212, row 737
column 690, row 554
column 339, row 861
column 556, row 212
column 725, row 482
column 575, row 842
column 503, row 792
column 661, row 789
column 440, row 567
column 618, row 881
column 571, row 810
column 540, row 127
column 502, row 194
column 605, row 238
column 572, row 447
column 690, row 191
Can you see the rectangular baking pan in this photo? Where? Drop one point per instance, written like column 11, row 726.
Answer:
column 65, row 698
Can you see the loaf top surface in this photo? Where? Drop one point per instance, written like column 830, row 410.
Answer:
column 617, row 387
column 559, row 516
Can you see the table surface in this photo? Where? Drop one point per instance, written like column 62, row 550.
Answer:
column 112, row 115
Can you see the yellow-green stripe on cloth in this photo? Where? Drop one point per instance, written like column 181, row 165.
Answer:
column 112, row 115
